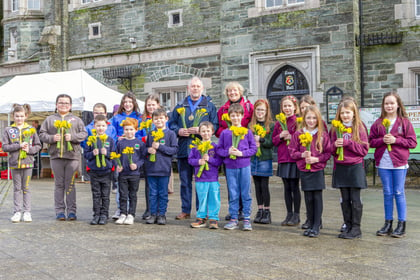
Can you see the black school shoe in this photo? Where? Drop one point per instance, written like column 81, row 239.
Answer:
column 103, row 220
column 95, row 220
column 151, row 219
column 161, row 220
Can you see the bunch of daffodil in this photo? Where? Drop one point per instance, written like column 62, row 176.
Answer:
column 260, row 131
column 238, row 133
column 103, row 138
column 91, row 141
column 27, row 134
column 129, row 151
column 146, row 125
column 66, row 126
column 204, row 148
column 226, row 118
column 340, row 129
column 281, row 117
column 181, row 112
column 387, row 123
column 157, row 135
column 305, row 141
column 116, row 156
column 199, row 115
column 58, row 126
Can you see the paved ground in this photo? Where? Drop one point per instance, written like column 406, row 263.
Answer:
column 48, row 249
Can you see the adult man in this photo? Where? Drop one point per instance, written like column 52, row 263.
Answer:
column 193, row 102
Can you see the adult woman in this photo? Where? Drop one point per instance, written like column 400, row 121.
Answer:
column 65, row 153
column 234, row 92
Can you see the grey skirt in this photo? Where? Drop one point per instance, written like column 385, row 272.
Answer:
column 312, row 181
column 349, row 176
column 288, row 170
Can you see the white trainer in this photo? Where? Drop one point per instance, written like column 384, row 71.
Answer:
column 27, row 218
column 121, row 219
column 129, row 220
column 16, row 217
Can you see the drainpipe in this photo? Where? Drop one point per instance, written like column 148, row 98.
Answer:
column 362, row 91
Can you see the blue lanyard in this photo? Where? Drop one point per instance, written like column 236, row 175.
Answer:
column 194, row 107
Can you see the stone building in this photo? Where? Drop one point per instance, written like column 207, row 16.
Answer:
column 273, row 47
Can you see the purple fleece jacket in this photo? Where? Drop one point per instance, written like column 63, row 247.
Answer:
column 214, row 162
column 247, row 146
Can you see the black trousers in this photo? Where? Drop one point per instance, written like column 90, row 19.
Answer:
column 262, row 191
column 128, row 187
column 101, row 187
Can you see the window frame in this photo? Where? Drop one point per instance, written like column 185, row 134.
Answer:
column 173, row 96
column 170, row 15
column 14, row 5
column 260, row 8
column 91, row 26
column 417, row 9
column 38, row 2
column 284, row 4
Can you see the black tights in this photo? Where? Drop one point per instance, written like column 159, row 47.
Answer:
column 261, row 190
column 351, row 196
column 314, row 207
column 292, row 194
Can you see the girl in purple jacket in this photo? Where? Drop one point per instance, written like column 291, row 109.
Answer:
column 349, row 173
column 287, row 168
column 392, row 135
column 311, row 163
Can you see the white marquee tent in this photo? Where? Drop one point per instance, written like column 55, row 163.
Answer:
column 40, row 91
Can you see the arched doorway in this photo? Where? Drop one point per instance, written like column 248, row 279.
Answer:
column 286, row 81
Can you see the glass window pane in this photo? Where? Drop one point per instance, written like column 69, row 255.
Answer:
column 418, row 8
column 165, row 100
column 418, row 88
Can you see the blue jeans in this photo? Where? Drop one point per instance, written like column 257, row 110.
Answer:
column 158, row 194
column 209, row 200
column 239, row 186
column 186, row 172
column 393, row 181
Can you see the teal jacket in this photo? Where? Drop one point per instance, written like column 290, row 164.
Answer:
column 266, row 146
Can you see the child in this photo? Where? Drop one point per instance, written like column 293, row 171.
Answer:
column 311, row 164
column 132, row 152
column 392, row 143
column 349, row 173
column 100, row 176
column 21, row 141
column 287, row 168
column 238, row 171
column 151, row 103
column 65, row 153
column 262, row 164
column 159, row 169
column 206, row 184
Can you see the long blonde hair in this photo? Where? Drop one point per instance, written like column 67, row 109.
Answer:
column 319, row 125
column 357, row 122
column 268, row 119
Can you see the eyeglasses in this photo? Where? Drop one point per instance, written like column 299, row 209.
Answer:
column 260, row 110
column 63, row 103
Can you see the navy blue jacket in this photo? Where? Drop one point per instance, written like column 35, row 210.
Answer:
column 138, row 156
column 168, row 146
column 91, row 158
column 175, row 122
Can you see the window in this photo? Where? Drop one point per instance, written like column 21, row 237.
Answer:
column 89, row 1
column 34, row 4
column 170, row 97
column 15, row 5
column 268, row 7
column 95, row 30
column 418, row 8
column 280, row 3
column 175, row 18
